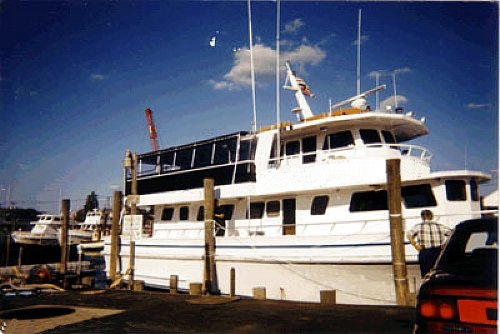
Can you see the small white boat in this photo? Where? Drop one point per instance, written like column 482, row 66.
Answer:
column 46, row 231
column 90, row 230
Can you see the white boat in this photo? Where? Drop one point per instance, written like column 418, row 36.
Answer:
column 95, row 224
column 46, row 231
column 313, row 217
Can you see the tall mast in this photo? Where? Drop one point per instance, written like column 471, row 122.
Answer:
column 278, row 119
column 252, row 69
column 358, row 59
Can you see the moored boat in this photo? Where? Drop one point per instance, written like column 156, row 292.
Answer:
column 305, row 215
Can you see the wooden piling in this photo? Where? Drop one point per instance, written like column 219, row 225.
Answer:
column 117, row 207
column 397, row 233
column 209, row 265
column 133, row 189
column 131, row 265
column 232, row 279
column 174, row 280
column 328, row 297
column 64, row 235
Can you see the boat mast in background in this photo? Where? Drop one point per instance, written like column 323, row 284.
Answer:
column 252, row 68
column 358, row 61
column 278, row 118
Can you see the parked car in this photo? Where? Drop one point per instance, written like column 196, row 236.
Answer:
column 459, row 295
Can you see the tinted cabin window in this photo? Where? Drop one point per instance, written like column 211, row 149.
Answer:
column 167, row 214
column 388, row 137
column 201, row 214
column 184, row 213
column 293, row 147
column 418, row 196
column 338, row 140
column 203, row 155
column 273, row 208
column 256, row 210
column 247, row 149
column 184, row 158
column 319, row 204
column 368, row 201
column 474, row 191
column 369, row 136
column 309, row 149
column 167, row 161
column 455, row 190
column 227, row 210
column 225, row 152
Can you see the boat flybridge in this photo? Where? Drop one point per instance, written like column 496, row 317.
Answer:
column 303, row 205
column 45, row 232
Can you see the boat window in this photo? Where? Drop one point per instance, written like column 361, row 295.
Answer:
column 455, row 190
column 418, row 196
column 167, row 161
column 183, row 158
column 201, row 214
column 474, row 191
column 369, row 136
column 256, row 210
column 319, row 204
column 167, row 213
column 292, row 147
column 247, row 149
column 225, row 152
column 203, row 155
column 338, row 140
column 388, row 137
column 226, row 210
column 273, row 208
column 368, row 201
column 309, row 149
column 57, row 219
column 184, row 213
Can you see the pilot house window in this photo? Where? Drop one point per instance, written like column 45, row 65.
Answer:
column 318, row 206
column 338, row 140
column 167, row 214
column 370, row 136
column 455, row 190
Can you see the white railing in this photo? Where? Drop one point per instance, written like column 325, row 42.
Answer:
column 404, row 150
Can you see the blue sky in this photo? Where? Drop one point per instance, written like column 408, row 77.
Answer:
column 77, row 76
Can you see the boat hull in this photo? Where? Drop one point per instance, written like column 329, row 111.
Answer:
column 287, row 268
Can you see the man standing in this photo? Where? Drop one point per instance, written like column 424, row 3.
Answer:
column 428, row 237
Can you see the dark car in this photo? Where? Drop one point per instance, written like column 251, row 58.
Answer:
column 459, row 295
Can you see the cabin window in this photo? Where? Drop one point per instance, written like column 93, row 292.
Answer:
column 369, row 136
column 338, row 140
column 256, row 210
column 227, row 210
column 273, row 208
column 388, row 137
column 184, row 213
column 203, row 155
column 418, row 196
column 292, row 148
column 225, row 152
column 247, row 149
column 201, row 214
column 167, row 213
column 309, row 149
column 368, row 201
column 319, row 204
column 183, row 158
column 167, row 161
column 455, row 190
column 474, row 190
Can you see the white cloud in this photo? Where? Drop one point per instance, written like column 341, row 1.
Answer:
column 293, row 26
column 264, row 64
column 390, row 102
column 97, row 77
column 475, row 106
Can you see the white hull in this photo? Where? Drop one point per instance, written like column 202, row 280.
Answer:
column 290, row 268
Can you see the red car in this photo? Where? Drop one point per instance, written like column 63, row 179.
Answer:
column 459, row 295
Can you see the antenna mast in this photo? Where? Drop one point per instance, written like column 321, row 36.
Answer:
column 358, row 65
column 278, row 120
column 153, row 136
column 252, row 70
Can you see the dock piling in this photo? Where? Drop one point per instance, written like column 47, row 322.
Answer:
column 65, row 204
column 117, row 202
column 209, row 265
column 397, row 234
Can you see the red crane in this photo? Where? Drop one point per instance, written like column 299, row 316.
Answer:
column 152, row 130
